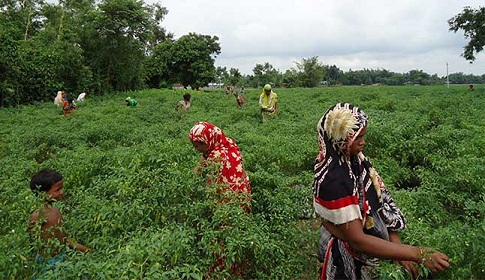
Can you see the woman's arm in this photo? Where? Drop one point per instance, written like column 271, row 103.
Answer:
column 408, row 265
column 353, row 234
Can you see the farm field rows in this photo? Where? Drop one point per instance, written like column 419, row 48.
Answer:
column 134, row 199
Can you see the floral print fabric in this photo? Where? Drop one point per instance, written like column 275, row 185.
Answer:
column 223, row 151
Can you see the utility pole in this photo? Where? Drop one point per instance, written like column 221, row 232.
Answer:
column 447, row 78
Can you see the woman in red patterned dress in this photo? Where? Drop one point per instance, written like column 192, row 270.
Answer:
column 221, row 158
column 221, row 161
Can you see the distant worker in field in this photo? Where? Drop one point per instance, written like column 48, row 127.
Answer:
column 82, row 96
column 228, row 90
column 184, row 104
column 268, row 102
column 360, row 219
column 46, row 224
column 68, row 105
column 471, row 88
column 60, row 97
column 240, row 98
column 130, row 102
column 221, row 156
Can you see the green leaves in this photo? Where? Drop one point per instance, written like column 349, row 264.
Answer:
column 472, row 22
column 134, row 199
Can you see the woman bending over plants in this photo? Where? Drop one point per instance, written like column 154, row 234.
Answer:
column 360, row 220
column 221, row 159
column 221, row 163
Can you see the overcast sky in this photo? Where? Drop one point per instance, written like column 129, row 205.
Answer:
column 352, row 34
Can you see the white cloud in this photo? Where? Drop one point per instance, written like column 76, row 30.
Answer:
column 394, row 35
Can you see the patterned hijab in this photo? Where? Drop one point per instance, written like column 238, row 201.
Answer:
column 222, row 150
column 334, row 178
column 338, row 129
column 348, row 187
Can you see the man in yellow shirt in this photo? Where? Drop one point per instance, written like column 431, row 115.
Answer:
column 268, row 102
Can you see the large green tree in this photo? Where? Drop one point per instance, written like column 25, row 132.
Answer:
column 39, row 53
column 157, row 64
column 266, row 73
column 188, row 60
column 76, row 44
column 22, row 18
column 312, row 71
column 115, row 43
column 235, row 76
column 333, row 74
column 472, row 22
column 291, row 78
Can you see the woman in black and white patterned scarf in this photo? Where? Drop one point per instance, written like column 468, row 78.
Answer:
column 360, row 219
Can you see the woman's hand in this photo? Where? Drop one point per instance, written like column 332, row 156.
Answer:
column 435, row 261
column 410, row 266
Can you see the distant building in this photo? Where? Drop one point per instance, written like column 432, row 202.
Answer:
column 215, row 85
column 180, row 86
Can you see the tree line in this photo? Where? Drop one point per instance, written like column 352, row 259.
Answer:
column 120, row 45
column 313, row 73
column 95, row 46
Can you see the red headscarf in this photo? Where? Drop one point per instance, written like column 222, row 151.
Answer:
column 222, row 150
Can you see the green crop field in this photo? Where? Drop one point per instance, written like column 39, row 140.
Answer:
column 133, row 199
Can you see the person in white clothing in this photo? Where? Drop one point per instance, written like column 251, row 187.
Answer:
column 82, row 96
column 61, row 96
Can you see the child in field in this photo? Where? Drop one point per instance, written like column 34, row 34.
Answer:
column 360, row 220
column 130, row 102
column 184, row 104
column 46, row 223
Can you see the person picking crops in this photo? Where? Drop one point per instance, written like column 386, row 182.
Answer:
column 131, row 102
column 221, row 161
column 222, row 158
column 61, row 97
column 268, row 102
column 68, row 105
column 184, row 104
column 360, row 220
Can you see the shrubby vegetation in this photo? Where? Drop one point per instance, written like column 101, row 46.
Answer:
column 134, row 199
